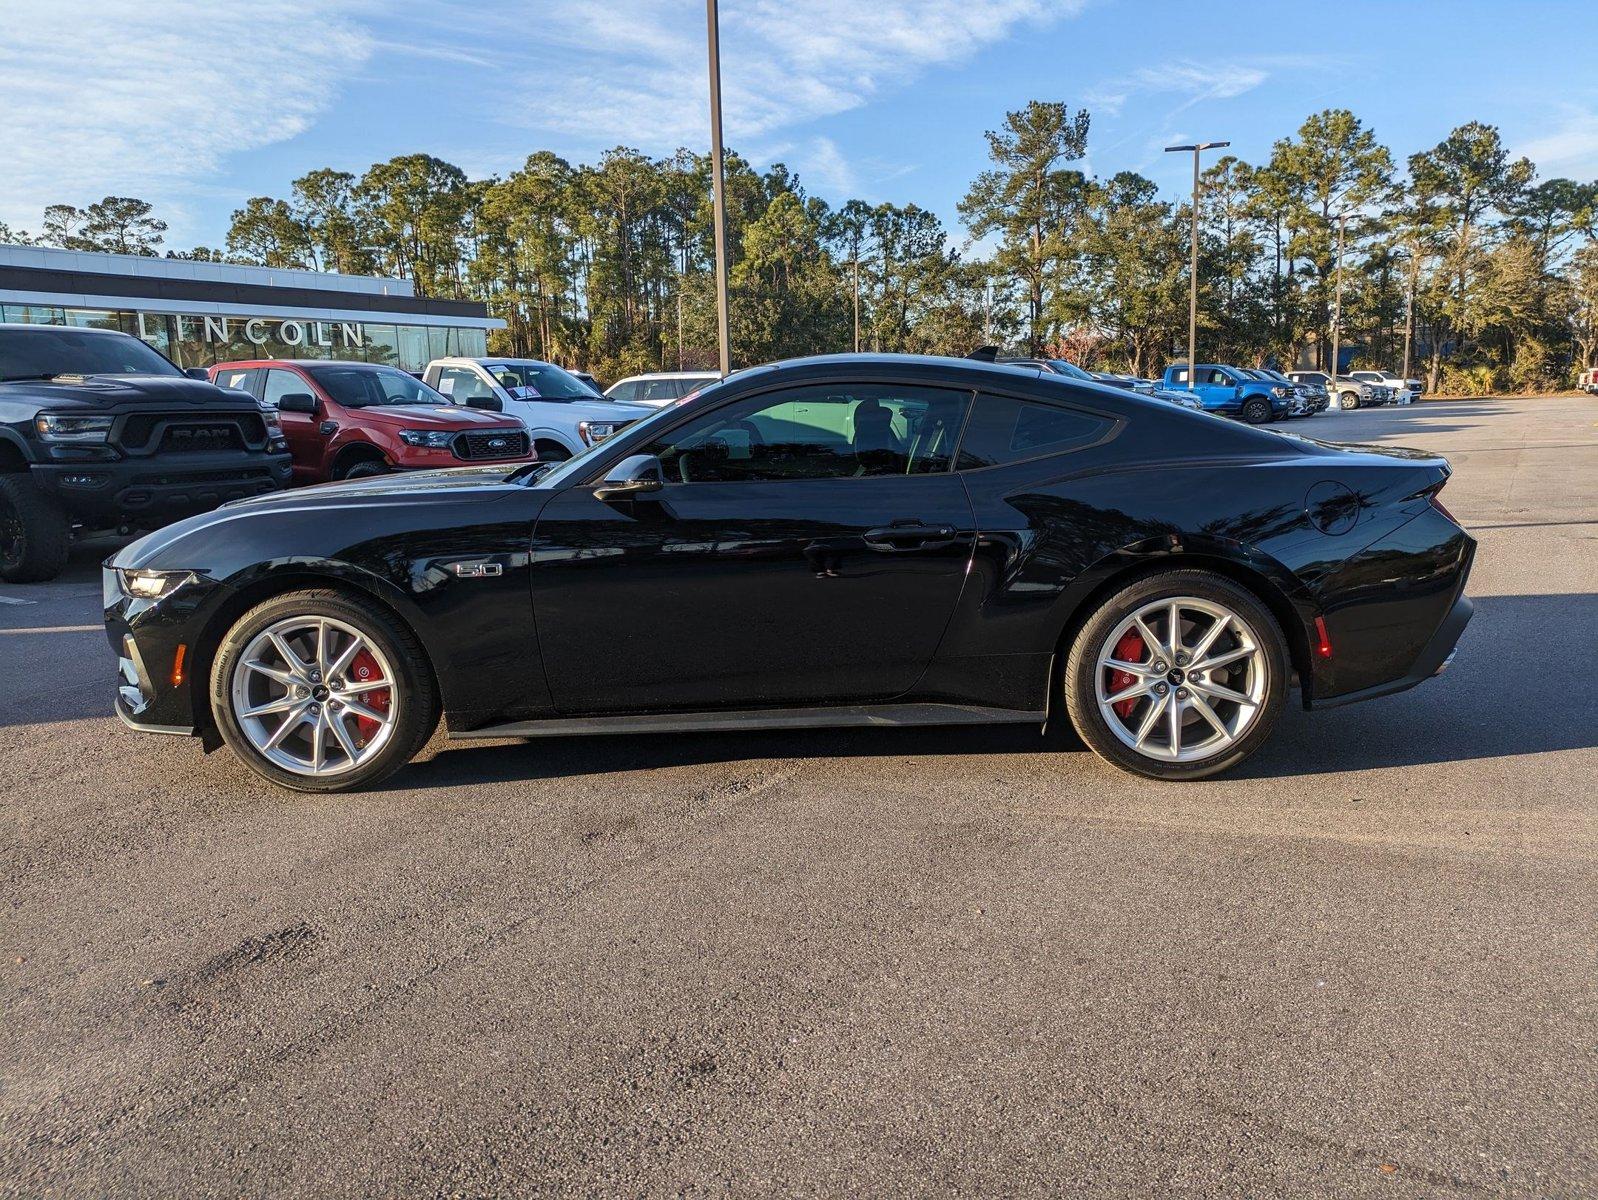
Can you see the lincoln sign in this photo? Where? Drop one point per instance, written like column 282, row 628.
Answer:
column 260, row 330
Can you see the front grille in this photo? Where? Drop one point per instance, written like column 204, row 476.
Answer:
column 491, row 443
column 181, row 432
column 196, row 437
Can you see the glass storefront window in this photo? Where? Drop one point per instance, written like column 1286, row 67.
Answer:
column 201, row 341
column 35, row 314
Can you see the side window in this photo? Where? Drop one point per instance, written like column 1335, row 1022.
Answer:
column 661, row 389
column 242, row 378
column 1004, row 429
column 280, row 383
column 463, row 385
column 1221, row 377
column 831, row 431
column 624, row 391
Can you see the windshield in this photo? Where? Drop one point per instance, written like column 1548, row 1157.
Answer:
column 358, row 387
column 45, row 351
column 1070, row 369
column 540, row 381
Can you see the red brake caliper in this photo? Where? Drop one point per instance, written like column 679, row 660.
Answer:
column 364, row 670
column 1129, row 649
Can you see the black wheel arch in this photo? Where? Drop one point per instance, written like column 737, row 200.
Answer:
column 1267, row 580
column 356, row 452
column 264, row 585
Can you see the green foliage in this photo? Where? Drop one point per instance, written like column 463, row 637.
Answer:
column 1469, row 269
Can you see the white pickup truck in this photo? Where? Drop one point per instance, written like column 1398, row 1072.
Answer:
column 1405, row 391
column 563, row 414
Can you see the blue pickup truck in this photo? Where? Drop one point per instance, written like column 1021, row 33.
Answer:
column 1233, row 393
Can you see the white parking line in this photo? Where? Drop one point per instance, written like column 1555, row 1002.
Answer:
column 56, row 629
column 13, row 600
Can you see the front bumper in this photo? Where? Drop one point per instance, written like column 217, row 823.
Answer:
column 159, row 645
column 151, row 492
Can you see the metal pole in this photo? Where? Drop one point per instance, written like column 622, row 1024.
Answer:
column 1337, row 304
column 1192, row 285
column 719, row 184
column 857, row 300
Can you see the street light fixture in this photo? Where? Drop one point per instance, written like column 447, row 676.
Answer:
column 1192, row 287
column 719, row 184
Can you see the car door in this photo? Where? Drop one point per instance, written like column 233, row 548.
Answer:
column 808, row 546
column 307, row 444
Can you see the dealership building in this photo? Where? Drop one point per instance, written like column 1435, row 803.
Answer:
column 201, row 313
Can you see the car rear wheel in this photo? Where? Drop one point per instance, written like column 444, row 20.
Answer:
column 320, row 691
column 1177, row 676
column 35, row 534
column 1256, row 411
column 1349, row 401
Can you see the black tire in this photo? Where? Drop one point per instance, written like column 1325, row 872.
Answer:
column 365, row 468
column 1078, row 682
column 549, row 451
column 1256, row 411
column 417, row 693
column 35, row 534
column 1349, row 401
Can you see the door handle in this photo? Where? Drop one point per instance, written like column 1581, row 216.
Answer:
column 894, row 539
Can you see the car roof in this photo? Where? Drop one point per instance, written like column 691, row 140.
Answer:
column 672, row 375
column 307, row 362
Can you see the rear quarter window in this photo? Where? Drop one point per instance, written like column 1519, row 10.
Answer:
column 1007, row 429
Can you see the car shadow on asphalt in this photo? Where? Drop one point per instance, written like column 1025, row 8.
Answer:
column 1518, row 686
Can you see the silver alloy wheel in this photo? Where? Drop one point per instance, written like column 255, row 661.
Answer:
column 315, row 696
column 1197, row 686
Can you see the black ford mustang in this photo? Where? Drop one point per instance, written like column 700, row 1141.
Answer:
column 852, row 540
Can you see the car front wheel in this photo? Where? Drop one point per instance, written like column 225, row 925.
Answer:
column 321, row 691
column 1350, row 401
column 1177, row 676
column 1257, row 411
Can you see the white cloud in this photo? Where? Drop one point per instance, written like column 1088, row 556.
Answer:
column 1570, row 149
column 1195, row 81
column 634, row 70
column 146, row 97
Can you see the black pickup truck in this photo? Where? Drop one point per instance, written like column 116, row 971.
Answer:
column 99, row 432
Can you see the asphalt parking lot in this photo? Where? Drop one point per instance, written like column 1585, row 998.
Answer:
column 904, row 962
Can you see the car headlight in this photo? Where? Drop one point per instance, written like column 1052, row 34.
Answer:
column 1281, row 391
column 274, row 423
column 141, row 584
column 64, row 427
column 1366, row 390
column 595, row 431
column 429, row 439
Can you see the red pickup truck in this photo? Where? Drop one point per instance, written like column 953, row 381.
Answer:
column 344, row 420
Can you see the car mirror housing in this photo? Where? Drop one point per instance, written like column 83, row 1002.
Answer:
column 199, row 373
column 631, row 478
column 300, row 402
column 489, row 403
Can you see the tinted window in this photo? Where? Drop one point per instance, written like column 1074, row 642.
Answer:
column 357, row 387
column 1179, row 375
column 834, row 431
column 1220, row 377
column 280, row 383
column 1004, row 429
column 624, row 391
column 662, row 389
column 242, row 378
column 45, row 352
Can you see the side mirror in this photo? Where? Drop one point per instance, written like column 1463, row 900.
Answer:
column 198, row 373
column 300, row 402
column 631, row 478
column 488, row 402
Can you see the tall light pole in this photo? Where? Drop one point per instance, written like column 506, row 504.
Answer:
column 1192, row 283
column 719, row 183
column 1337, row 301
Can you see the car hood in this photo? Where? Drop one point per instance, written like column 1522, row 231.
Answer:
column 595, row 409
column 454, row 485
column 433, row 416
column 102, row 393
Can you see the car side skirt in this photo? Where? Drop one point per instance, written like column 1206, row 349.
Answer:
column 738, row 720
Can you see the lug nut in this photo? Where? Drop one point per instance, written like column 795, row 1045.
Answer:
column 1181, row 693
column 300, row 693
column 1160, row 689
column 316, row 710
column 1181, row 660
column 1159, row 664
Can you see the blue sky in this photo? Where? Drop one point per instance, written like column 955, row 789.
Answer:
column 198, row 104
